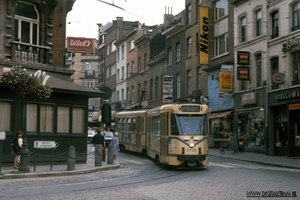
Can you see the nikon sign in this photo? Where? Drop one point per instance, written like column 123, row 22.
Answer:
column 204, row 35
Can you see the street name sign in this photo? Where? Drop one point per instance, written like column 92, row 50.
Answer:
column 45, row 144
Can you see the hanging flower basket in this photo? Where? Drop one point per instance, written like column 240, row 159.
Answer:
column 26, row 84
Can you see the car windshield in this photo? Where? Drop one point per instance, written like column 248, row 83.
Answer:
column 189, row 125
column 108, row 134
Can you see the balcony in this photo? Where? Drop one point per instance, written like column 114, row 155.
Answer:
column 30, row 53
column 90, row 74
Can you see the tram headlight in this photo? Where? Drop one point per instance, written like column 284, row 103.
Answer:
column 192, row 145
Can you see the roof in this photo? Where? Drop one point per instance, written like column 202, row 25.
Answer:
column 63, row 86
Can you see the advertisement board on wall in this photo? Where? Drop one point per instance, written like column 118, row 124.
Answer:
column 79, row 44
column 203, row 35
column 225, row 81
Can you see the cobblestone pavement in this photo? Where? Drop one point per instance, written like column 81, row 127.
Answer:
column 222, row 179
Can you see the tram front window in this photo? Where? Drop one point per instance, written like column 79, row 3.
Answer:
column 189, row 125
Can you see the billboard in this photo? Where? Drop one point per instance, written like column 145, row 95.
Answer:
column 225, row 81
column 79, row 44
column 203, row 35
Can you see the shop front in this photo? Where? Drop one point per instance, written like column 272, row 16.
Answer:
column 250, row 123
column 284, row 120
column 221, row 126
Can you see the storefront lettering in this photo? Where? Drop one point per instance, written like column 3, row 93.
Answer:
column 287, row 95
column 290, row 43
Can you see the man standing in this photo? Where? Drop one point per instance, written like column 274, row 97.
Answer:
column 99, row 139
column 16, row 147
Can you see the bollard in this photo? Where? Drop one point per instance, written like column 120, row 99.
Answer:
column 24, row 159
column 110, row 159
column 103, row 153
column 98, row 155
column 71, row 158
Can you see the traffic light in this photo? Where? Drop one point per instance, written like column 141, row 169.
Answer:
column 106, row 113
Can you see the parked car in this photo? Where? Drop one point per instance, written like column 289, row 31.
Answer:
column 91, row 134
column 108, row 137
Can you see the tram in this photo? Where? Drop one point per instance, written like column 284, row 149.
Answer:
column 171, row 134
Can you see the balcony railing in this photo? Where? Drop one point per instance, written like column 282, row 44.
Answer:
column 90, row 74
column 30, row 53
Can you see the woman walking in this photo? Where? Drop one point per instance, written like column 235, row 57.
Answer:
column 115, row 146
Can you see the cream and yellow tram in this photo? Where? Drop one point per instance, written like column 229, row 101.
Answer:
column 172, row 134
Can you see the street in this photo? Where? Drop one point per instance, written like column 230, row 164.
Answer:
column 140, row 178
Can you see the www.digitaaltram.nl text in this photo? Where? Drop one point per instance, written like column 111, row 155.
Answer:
column 271, row 194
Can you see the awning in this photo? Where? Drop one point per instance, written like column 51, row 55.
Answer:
column 220, row 114
column 96, row 116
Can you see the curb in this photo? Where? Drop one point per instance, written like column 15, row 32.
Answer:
column 58, row 173
column 258, row 162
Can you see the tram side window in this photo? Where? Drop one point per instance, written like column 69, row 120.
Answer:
column 133, row 124
column 174, row 128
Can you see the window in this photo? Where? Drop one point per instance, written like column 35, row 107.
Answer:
column 46, row 118
column 108, row 49
column 189, row 47
column 122, row 95
column 221, row 44
column 77, row 120
column 27, row 23
column 189, row 82
column 258, row 70
column 131, row 45
column 63, row 119
column 113, row 47
column 258, row 23
column 90, row 83
column 139, row 64
column 83, row 82
column 274, row 69
column 151, row 89
column 178, row 85
column 275, row 25
column 83, row 66
column 145, row 61
column 199, row 80
column 122, row 51
column 243, row 29
column 156, row 87
column 169, row 56
column 189, row 14
column 132, row 67
column 178, row 52
column 5, row 116
column 128, row 70
column 123, row 73
column 132, row 94
column 118, row 75
column 296, row 68
column 31, row 117
column 96, row 83
column 118, row 54
column 221, row 9
column 296, row 16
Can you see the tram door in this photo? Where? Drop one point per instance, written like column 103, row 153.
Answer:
column 164, row 135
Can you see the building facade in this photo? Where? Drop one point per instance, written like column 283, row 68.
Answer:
column 34, row 33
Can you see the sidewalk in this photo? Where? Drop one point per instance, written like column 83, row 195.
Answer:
column 8, row 172
column 278, row 161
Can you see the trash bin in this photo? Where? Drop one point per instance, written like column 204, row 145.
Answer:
column 241, row 144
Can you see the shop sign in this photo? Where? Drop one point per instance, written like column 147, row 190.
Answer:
column 227, row 68
column 225, row 82
column 79, row 44
column 243, row 73
column 278, row 78
column 225, row 95
column 290, row 43
column 243, row 58
column 287, row 95
column 203, row 35
column 295, row 106
column 248, row 98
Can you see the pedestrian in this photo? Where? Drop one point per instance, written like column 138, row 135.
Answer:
column 115, row 146
column 98, row 138
column 17, row 144
column 232, row 144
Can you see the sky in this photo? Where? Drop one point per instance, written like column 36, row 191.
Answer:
column 82, row 20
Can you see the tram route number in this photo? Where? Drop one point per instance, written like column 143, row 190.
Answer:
column 191, row 150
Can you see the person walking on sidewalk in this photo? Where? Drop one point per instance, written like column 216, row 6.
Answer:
column 16, row 147
column 232, row 144
column 115, row 146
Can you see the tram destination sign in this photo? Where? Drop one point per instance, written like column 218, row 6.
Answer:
column 190, row 108
column 45, row 144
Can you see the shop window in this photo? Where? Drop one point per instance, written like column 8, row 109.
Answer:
column 251, row 128
column 5, row 116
